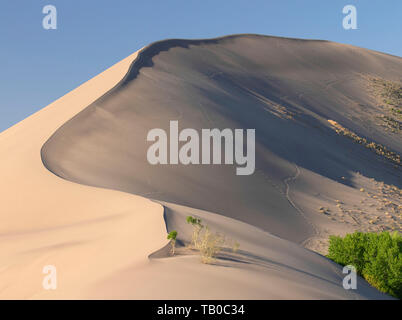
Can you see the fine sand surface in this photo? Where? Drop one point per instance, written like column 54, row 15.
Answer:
column 286, row 89
column 87, row 233
column 76, row 183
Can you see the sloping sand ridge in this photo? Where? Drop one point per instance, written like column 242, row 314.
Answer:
column 100, row 239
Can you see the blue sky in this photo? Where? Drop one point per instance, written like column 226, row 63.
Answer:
column 37, row 66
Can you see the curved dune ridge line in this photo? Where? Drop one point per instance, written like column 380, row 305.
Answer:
column 84, row 231
column 100, row 239
column 286, row 89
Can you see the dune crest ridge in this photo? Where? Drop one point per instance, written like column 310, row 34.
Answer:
column 285, row 89
column 94, row 138
column 46, row 220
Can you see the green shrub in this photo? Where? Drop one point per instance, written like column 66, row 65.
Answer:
column 172, row 237
column 376, row 256
column 197, row 227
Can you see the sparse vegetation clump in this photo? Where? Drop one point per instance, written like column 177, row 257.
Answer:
column 376, row 147
column 376, row 256
column 209, row 243
column 389, row 91
column 197, row 227
column 392, row 124
column 389, row 95
column 172, row 237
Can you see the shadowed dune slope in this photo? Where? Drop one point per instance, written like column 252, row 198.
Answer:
column 111, row 244
column 265, row 267
column 286, row 89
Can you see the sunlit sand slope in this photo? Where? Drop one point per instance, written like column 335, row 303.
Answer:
column 76, row 183
column 85, row 232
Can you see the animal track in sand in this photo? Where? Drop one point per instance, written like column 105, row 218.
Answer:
column 316, row 234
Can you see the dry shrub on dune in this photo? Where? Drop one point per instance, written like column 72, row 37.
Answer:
column 209, row 243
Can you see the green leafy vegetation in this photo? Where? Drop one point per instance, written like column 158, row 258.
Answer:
column 376, row 256
column 197, row 227
column 172, row 237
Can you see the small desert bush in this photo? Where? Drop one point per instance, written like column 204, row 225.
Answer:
column 207, row 242
column 197, row 228
column 172, row 237
column 210, row 244
column 376, row 256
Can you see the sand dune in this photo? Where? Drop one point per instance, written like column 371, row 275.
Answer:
column 286, row 89
column 265, row 267
column 107, row 244
column 49, row 221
